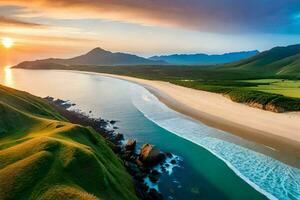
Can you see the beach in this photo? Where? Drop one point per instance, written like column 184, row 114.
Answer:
column 220, row 162
column 279, row 131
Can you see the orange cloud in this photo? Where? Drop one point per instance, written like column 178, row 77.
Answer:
column 152, row 13
column 205, row 15
column 15, row 22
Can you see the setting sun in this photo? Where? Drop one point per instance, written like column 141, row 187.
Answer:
column 7, row 42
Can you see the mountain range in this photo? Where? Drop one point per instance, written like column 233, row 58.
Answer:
column 204, row 59
column 276, row 61
column 98, row 56
column 103, row 57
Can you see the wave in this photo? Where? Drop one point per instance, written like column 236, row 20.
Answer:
column 267, row 175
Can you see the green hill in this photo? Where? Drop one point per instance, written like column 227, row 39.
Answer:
column 42, row 156
column 276, row 61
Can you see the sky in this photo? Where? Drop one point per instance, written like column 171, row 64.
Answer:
column 65, row 28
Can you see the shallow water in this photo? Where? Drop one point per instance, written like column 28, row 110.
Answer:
column 214, row 164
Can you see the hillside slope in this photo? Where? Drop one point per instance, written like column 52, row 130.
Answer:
column 204, row 59
column 276, row 61
column 42, row 156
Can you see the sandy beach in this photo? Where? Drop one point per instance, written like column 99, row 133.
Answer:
column 280, row 131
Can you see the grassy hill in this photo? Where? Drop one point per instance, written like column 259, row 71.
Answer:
column 43, row 156
column 276, row 61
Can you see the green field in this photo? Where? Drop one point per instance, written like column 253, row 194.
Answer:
column 289, row 88
column 43, row 156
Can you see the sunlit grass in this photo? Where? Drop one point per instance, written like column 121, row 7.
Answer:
column 289, row 88
column 42, row 156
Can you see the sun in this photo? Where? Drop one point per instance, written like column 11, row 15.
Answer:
column 7, row 42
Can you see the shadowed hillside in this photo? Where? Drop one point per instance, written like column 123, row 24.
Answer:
column 276, row 61
column 42, row 156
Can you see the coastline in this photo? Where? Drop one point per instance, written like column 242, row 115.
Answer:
column 279, row 131
column 169, row 98
column 126, row 150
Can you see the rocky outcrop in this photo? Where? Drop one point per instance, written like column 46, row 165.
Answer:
column 139, row 165
column 150, row 155
column 130, row 145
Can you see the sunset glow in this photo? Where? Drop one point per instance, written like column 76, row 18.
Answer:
column 7, row 42
column 150, row 99
column 47, row 29
column 8, row 79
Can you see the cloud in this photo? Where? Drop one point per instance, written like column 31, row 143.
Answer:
column 203, row 15
column 15, row 22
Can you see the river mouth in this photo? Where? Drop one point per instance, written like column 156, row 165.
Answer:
column 214, row 163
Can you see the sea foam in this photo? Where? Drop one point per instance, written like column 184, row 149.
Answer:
column 267, row 175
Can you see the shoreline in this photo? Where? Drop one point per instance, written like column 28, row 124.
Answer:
column 126, row 150
column 165, row 97
column 278, row 131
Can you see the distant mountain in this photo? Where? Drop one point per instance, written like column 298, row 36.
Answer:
column 276, row 61
column 96, row 56
column 204, row 59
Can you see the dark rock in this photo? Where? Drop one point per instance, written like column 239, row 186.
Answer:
column 153, row 179
column 119, row 137
column 133, row 157
column 154, row 195
column 173, row 162
column 139, row 163
column 128, row 155
column 145, row 170
column 141, row 190
column 150, row 155
column 139, row 176
column 163, row 169
column 48, row 98
column 115, row 138
column 131, row 167
column 112, row 121
column 154, row 176
column 169, row 155
column 155, row 172
column 130, row 145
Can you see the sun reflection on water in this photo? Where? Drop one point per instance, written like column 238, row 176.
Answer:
column 8, row 78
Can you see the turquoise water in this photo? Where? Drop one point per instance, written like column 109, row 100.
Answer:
column 214, row 164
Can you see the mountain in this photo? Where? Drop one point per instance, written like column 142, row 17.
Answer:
column 204, row 59
column 43, row 156
column 276, row 61
column 97, row 56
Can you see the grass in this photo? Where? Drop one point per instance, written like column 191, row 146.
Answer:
column 269, row 94
column 288, row 88
column 43, row 156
